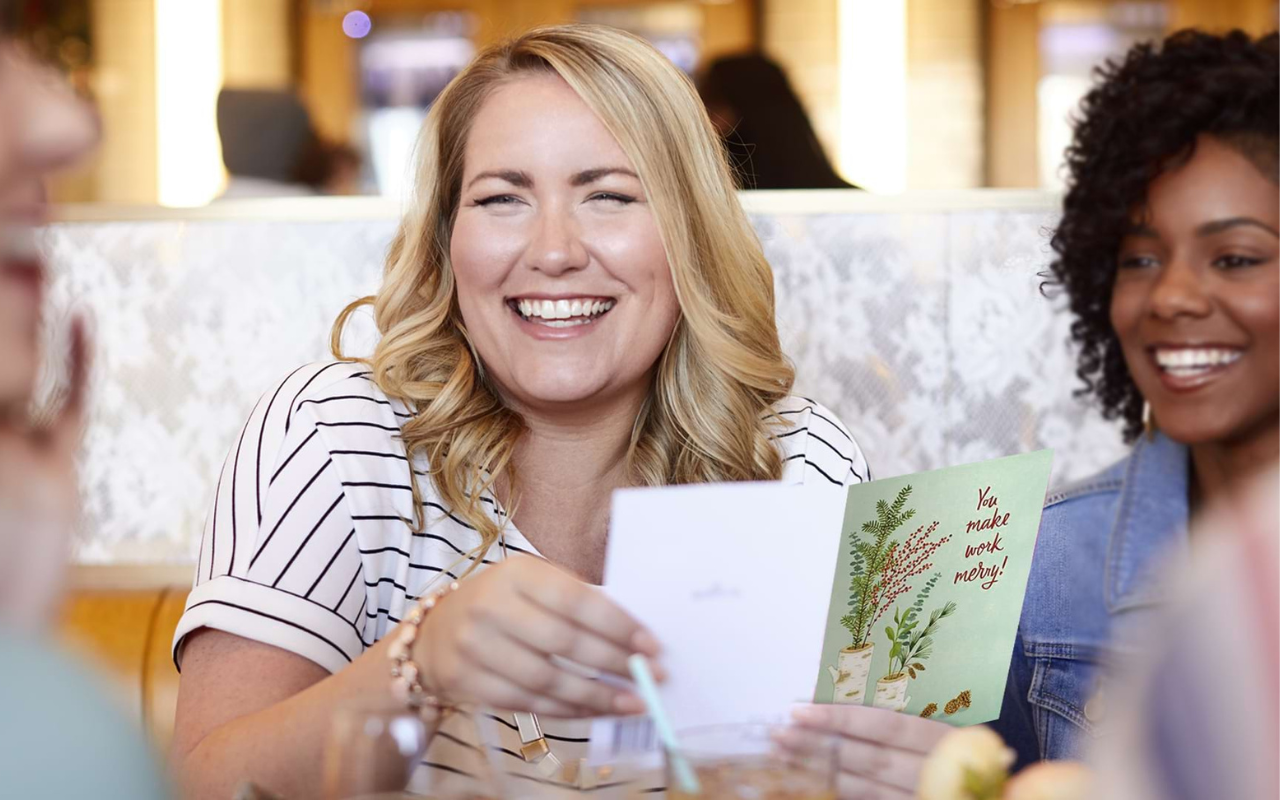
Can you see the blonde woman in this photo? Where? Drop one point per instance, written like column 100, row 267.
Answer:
column 575, row 303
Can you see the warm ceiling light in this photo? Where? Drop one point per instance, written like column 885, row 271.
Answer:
column 188, row 77
column 872, row 39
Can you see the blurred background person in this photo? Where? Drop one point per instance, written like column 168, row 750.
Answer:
column 771, row 143
column 53, row 708
column 329, row 169
column 1169, row 254
column 271, row 149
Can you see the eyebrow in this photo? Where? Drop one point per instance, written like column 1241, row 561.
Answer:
column 524, row 181
column 1207, row 229
column 589, row 176
column 1142, row 231
column 1220, row 225
column 511, row 176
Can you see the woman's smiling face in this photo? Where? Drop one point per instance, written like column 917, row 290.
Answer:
column 561, row 273
column 1196, row 303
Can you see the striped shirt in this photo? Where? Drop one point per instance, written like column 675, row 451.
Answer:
column 305, row 547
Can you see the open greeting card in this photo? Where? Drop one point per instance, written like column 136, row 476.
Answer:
column 903, row 593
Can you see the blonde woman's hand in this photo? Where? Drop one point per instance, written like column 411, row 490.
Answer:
column 881, row 751
column 493, row 641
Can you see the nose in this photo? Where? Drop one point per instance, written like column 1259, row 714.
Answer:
column 1179, row 292
column 556, row 247
column 47, row 126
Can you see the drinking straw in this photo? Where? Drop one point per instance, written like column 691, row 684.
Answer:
column 649, row 694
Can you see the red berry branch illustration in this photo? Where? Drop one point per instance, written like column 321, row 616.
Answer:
column 904, row 562
column 882, row 568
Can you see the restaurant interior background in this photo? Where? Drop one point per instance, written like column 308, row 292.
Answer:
column 904, row 94
column 913, row 309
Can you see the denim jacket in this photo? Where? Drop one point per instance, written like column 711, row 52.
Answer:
column 1095, row 573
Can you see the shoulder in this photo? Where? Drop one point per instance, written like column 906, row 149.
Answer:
column 816, row 445
column 1074, row 537
column 1084, row 501
column 1095, row 488
column 326, row 396
column 1081, row 510
column 329, row 383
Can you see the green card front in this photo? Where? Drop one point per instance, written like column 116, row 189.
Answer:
column 929, row 586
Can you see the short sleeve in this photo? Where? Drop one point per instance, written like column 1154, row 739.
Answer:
column 817, row 448
column 279, row 561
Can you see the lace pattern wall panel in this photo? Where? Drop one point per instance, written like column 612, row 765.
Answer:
column 925, row 332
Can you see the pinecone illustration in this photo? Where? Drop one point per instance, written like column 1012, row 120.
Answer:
column 962, row 700
column 929, row 710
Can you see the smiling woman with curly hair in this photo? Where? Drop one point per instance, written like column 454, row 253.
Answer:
column 1143, row 119
column 1167, row 251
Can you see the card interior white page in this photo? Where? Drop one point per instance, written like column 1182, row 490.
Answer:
column 734, row 580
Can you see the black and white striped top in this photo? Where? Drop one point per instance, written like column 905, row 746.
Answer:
column 305, row 548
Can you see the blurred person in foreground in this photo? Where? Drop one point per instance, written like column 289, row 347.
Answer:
column 1198, row 714
column 771, row 142
column 1168, row 253
column 59, row 737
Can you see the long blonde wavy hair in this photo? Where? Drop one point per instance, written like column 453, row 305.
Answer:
column 707, row 416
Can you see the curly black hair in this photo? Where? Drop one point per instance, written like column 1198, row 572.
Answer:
column 1143, row 116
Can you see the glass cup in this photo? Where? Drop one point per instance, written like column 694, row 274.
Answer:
column 371, row 751
column 563, row 771
column 755, row 762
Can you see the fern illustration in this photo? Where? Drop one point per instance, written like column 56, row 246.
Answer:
column 870, row 557
column 912, row 647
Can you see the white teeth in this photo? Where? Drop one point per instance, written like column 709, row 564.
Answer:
column 1188, row 360
column 574, row 311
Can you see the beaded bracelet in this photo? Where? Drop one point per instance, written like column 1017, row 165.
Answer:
column 406, row 675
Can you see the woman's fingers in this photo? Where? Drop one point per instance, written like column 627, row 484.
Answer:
column 880, row 751
column 58, row 434
column 541, row 630
column 886, row 765
column 538, row 676
column 877, row 725
column 70, row 422
column 871, row 761
column 499, row 692
column 586, row 607
column 525, row 634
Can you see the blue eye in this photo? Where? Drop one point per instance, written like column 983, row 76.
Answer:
column 1235, row 262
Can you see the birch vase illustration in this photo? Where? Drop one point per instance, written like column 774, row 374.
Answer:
column 881, row 569
column 891, row 692
column 853, row 667
column 870, row 552
column 911, row 644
